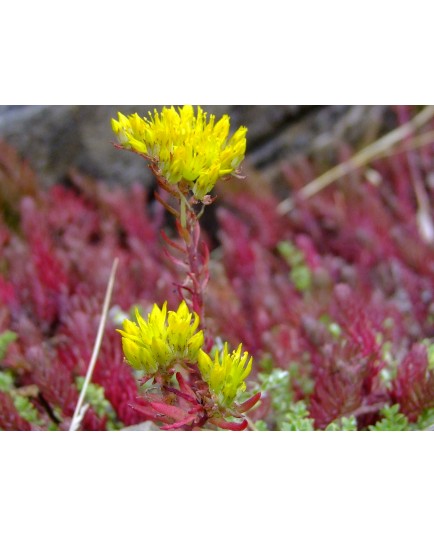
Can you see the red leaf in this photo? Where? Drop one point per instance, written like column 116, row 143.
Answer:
column 185, row 388
column 226, row 425
column 166, row 205
column 150, row 414
column 173, row 259
column 171, row 411
column 172, row 243
column 179, row 393
column 248, row 404
column 189, row 419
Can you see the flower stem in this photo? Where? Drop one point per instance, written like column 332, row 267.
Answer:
column 196, row 262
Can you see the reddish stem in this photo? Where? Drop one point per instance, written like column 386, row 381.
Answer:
column 195, row 262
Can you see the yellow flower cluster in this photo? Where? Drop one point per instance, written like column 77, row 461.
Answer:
column 185, row 146
column 162, row 340
column 170, row 337
column 226, row 374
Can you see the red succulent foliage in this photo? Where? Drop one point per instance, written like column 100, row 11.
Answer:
column 364, row 244
column 371, row 264
column 10, row 419
column 56, row 253
column 413, row 388
column 191, row 406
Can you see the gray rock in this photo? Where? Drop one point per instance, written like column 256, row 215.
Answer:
column 146, row 426
column 57, row 138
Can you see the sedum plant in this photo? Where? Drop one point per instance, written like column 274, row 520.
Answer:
column 188, row 153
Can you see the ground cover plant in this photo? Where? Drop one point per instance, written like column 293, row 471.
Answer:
column 307, row 310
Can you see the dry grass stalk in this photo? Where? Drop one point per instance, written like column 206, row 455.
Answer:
column 80, row 409
column 360, row 159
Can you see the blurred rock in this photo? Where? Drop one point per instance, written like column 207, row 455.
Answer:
column 146, row 426
column 56, row 138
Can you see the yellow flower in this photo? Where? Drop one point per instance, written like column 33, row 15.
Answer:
column 184, row 145
column 226, row 374
column 162, row 340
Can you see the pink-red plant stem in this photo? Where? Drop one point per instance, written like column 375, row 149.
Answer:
column 192, row 259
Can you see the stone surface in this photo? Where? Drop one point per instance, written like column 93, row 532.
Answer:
column 146, row 426
column 57, row 138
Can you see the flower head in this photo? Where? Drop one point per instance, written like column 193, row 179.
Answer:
column 162, row 340
column 226, row 374
column 185, row 146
